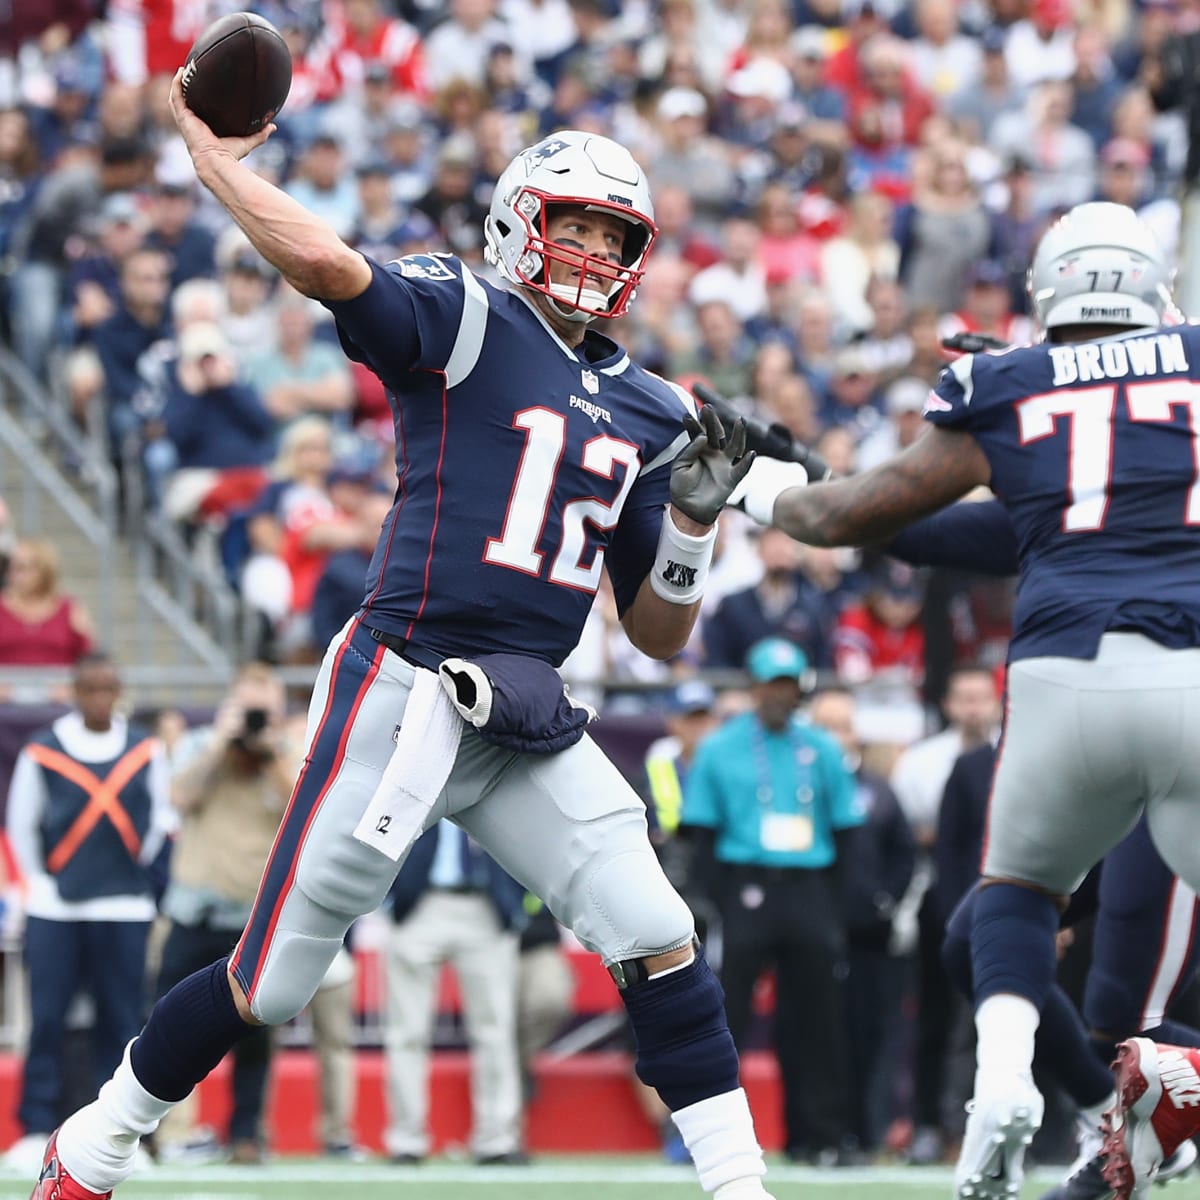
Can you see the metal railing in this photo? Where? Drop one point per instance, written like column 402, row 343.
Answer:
column 69, row 464
column 28, row 421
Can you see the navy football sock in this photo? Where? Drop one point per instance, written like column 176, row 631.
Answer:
column 1012, row 943
column 190, row 1030
column 684, row 1048
column 1063, row 1049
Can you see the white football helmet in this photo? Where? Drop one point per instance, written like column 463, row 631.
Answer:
column 571, row 167
column 1099, row 264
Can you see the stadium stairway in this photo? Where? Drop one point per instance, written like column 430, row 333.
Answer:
column 70, row 498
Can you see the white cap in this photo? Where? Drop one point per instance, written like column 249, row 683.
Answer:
column 762, row 77
column 681, row 102
column 906, row 395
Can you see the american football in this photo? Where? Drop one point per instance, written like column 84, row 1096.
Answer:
column 237, row 75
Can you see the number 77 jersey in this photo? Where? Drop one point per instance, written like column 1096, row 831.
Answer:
column 524, row 470
column 1095, row 452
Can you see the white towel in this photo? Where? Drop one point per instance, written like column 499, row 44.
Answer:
column 426, row 745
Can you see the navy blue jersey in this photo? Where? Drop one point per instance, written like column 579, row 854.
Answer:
column 523, row 469
column 1094, row 450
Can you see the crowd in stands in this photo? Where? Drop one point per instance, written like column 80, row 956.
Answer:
column 838, row 185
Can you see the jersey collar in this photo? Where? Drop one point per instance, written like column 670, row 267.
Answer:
column 614, row 364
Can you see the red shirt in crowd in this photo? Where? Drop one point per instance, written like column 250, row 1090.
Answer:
column 53, row 642
column 863, row 646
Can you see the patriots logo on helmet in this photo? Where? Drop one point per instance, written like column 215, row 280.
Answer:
column 1067, row 269
column 536, row 155
column 934, row 403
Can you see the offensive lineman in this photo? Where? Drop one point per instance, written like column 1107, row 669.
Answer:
column 530, row 453
column 1090, row 442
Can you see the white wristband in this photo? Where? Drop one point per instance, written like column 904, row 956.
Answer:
column 681, row 564
column 764, row 483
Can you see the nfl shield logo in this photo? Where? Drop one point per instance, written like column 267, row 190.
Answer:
column 591, row 384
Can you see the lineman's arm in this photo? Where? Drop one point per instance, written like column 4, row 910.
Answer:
column 303, row 248
column 937, row 469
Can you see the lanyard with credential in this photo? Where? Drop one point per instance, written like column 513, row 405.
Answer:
column 783, row 832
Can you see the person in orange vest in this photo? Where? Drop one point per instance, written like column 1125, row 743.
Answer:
column 89, row 810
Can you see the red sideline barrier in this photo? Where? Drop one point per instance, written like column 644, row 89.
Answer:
column 584, row 1103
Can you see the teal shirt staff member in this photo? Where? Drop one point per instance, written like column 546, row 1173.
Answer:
column 772, row 787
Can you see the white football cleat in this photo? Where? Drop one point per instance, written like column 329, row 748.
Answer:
column 999, row 1129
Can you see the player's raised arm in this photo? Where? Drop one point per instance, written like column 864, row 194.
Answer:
column 938, row 468
column 303, row 248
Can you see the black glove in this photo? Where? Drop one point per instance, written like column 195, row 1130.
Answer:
column 707, row 470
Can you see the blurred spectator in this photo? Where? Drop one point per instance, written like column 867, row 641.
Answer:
column 358, row 32
column 545, row 989
column 876, row 869
column 887, row 347
column 786, row 251
column 175, row 231
column 942, row 232
column 865, row 252
column 322, row 185
column 972, row 711
column 84, row 175
column 342, row 585
column 824, row 106
column 784, row 604
column 379, row 231
column 88, row 811
column 771, row 800
column 976, row 107
column 452, row 903
column 451, row 203
column 903, row 403
column 458, row 47
column 94, row 280
column 863, row 21
column 247, row 320
column 230, row 783
column 882, row 636
column 1124, row 172
column 20, row 176
column 687, row 158
column 141, row 318
column 690, row 717
column 793, row 406
column 1018, row 225
column 218, row 427
column 945, row 62
column 1041, row 46
column 43, row 29
column 300, row 376
column 1061, row 154
column 987, row 310
column 408, row 152
column 724, row 356
column 853, row 399
column 886, row 109
column 39, row 625
column 1095, row 85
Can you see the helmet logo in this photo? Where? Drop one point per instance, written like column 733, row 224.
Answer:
column 536, row 155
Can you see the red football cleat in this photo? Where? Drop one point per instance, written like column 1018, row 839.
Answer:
column 55, row 1184
column 1157, row 1108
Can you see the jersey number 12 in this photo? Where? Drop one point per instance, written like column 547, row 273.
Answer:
column 1090, row 411
column 529, row 502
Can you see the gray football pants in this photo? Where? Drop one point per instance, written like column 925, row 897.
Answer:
column 1087, row 744
column 567, row 826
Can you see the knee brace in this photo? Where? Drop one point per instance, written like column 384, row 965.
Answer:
column 684, row 1048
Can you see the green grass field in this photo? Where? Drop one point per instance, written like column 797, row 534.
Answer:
column 569, row 1179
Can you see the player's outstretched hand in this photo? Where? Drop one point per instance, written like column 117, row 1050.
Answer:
column 199, row 139
column 708, row 469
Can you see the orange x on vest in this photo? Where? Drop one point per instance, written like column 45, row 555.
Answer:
column 104, row 797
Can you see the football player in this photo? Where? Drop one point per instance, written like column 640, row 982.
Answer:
column 531, row 455
column 1089, row 441
column 1144, row 945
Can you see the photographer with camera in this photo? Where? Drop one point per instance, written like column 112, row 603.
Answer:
column 230, row 783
